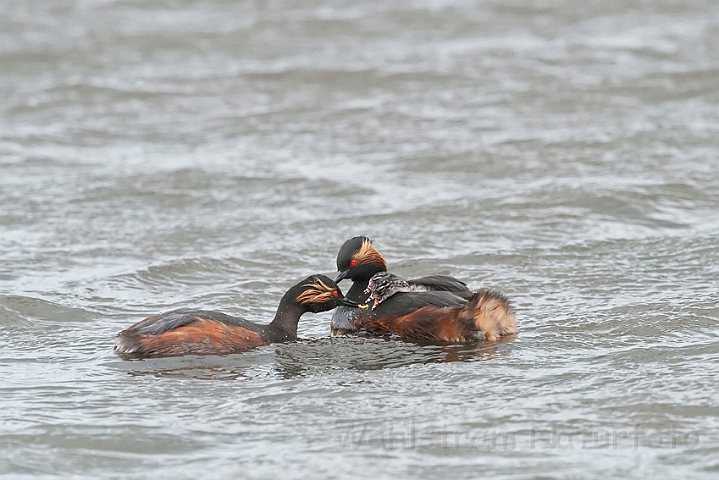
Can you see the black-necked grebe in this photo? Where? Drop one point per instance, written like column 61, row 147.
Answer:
column 407, row 313
column 202, row 332
column 358, row 260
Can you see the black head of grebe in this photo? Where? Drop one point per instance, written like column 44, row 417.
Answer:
column 358, row 259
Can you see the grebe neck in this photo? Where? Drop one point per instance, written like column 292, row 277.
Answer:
column 287, row 317
column 356, row 291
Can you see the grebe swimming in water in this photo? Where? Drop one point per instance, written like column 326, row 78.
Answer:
column 358, row 260
column 487, row 311
column 202, row 332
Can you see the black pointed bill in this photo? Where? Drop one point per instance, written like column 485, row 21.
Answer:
column 349, row 303
column 341, row 275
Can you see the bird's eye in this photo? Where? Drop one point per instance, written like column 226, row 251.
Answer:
column 353, row 263
column 335, row 294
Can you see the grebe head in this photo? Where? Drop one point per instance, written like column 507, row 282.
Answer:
column 380, row 280
column 319, row 293
column 359, row 260
column 383, row 285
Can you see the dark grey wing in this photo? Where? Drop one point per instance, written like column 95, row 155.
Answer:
column 164, row 322
column 404, row 303
column 443, row 283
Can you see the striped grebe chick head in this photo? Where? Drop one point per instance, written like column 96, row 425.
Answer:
column 383, row 285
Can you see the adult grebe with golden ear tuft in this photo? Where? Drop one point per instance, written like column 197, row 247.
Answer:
column 201, row 332
column 487, row 311
column 358, row 260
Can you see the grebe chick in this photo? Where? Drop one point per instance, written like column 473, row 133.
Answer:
column 383, row 285
column 201, row 332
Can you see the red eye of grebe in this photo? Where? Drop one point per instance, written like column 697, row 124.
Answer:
column 335, row 294
column 353, row 263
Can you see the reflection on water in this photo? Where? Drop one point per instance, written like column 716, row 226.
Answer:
column 213, row 367
column 313, row 357
column 367, row 354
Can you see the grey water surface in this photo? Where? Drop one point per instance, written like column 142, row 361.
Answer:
column 209, row 154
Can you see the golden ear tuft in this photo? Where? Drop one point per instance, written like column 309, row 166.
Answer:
column 316, row 292
column 368, row 255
